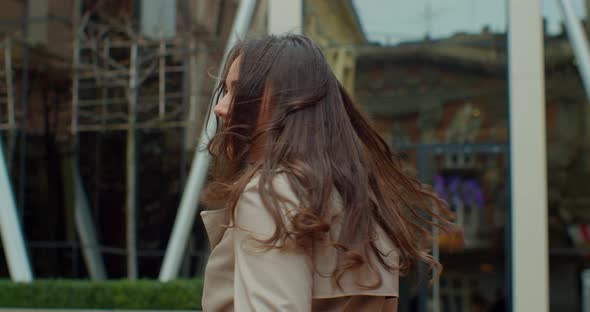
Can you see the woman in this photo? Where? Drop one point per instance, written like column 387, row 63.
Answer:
column 320, row 216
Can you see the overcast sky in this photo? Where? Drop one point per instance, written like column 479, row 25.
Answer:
column 400, row 20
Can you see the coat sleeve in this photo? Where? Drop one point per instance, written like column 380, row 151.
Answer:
column 267, row 279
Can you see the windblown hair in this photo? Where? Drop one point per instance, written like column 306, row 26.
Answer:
column 314, row 133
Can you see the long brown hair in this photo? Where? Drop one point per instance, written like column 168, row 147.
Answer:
column 315, row 134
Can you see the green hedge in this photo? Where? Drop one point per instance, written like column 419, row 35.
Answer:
column 120, row 294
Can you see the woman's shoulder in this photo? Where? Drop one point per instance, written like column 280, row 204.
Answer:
column 266, row 210
column 263, row 196
column 279, row 179
column 277, row 183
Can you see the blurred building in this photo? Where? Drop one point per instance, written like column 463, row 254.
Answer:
column 443, row 103
column 73, row 71
column 104, row 100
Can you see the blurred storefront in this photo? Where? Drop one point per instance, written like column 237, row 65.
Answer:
column 442, row 103
column 434, row 78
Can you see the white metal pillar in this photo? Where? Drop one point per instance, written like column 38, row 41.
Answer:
column 285, row 16
column 198, row 173
column 529, row 244
column 12, row 238
column 85, row 227
column 578, row 40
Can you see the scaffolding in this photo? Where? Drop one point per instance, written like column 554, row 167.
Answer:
column 7, row 115
column 124, row 81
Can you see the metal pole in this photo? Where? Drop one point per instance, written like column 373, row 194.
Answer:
column 10, row 230
column 132, row 169
column 528, row 161
column 85, row 227
column 104, row 90
column 196, row 65
column 198, row 173
column 75, row 69
column 162, row 79
column 436, row 254
column 9, row 86
column 578, row 40
column 24, row 105
column 83, row 218
column 12, row 132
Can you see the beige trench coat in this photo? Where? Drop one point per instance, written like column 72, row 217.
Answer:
column 240, row 277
